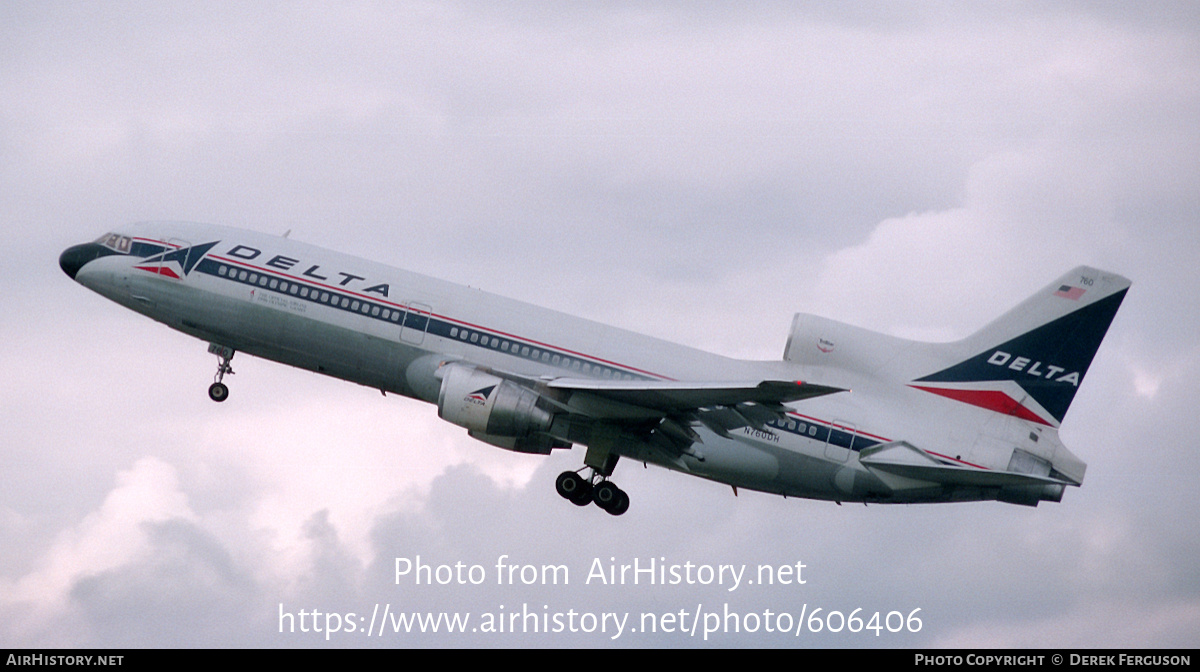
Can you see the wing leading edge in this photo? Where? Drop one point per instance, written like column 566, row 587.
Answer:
column 682, row 396
column 670, row 409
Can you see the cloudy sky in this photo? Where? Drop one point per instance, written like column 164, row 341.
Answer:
column 689, row 170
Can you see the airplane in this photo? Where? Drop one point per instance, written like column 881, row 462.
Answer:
column 846, row 415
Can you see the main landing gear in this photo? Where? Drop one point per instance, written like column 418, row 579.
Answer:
column 601, row 458
column 582, row 491
column 218, row 391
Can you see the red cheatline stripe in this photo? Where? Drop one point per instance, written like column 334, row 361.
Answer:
column 992, row 400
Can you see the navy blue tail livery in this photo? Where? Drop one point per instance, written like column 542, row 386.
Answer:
column 1047, row 363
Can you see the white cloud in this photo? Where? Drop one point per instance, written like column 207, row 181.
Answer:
column 1029, row 216
column 114, row 535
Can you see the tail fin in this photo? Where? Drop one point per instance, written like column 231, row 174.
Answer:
column 1031, row 360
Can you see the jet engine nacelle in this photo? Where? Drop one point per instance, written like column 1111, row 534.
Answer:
column 489, row 405
column 540, row 444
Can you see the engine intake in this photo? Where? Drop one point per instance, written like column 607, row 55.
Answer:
column 487, row 404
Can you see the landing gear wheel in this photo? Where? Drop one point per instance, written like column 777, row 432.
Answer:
column 605, row 494
column 568, row 484
column 584, row 496
column 621, row 505
column 610, row 498
column 218, row 392
column 574, row 488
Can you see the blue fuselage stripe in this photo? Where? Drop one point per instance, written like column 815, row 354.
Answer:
column 399, row 315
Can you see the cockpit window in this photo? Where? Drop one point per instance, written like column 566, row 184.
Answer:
column 116, row 242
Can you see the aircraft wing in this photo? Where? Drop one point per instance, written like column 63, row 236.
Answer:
column 683, row 396
column 669, row 409
column 664, row 412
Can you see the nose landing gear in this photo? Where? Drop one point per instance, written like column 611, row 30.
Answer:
column 219, row 391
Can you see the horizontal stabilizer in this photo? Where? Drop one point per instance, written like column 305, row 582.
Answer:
column 903, row 459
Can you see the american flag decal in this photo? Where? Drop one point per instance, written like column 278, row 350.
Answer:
column 1069, row 292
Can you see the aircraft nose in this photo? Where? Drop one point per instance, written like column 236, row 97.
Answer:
column 75, row 257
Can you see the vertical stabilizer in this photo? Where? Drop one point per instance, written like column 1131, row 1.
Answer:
column 1030, row 362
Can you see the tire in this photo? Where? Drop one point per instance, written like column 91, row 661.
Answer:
column 605, row 495
column 584, row 496
column 568, row 484
column 218, row 392
column 621, row 505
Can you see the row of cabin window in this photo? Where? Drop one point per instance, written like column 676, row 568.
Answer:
column 497, row 343
column 792, row 425
column 304, row 292
column 493, row 342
